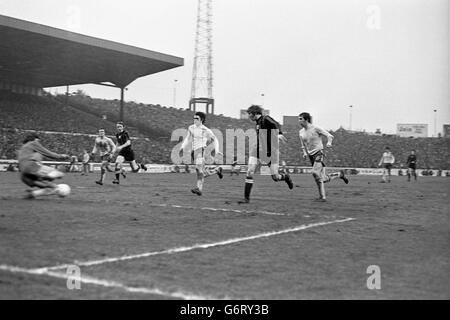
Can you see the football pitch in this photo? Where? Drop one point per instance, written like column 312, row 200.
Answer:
column 151, row 238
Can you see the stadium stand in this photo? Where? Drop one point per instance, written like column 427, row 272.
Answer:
column 61, row 127
column 72, row 125
column 73, row 144
column 20, row 111
column 160, row 121
column 364, row 150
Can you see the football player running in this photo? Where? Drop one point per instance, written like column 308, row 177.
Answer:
column 105, row 147
column 199, row 135
column 125, row 153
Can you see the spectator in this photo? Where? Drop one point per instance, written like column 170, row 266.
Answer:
column 85, row 160
column 73, row 167
column 12, row 168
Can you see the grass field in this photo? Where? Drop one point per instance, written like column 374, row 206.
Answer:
column 151, row 238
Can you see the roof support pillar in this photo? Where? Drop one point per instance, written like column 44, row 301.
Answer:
column 67, row 96
column 121, row 103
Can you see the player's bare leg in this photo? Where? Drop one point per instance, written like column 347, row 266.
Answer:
column 318, row 172
column 102, row 176
column 200, row 180
column 119, row 170
column 276, row 176
column 321, row 188
column 103, row 169
column 216, row 170
column 200, row 169
column 334, row 175
column 136, row 166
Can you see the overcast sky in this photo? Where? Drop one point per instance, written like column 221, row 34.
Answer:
column 389, row 59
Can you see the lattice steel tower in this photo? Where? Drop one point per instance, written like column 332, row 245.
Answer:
column 202, row 73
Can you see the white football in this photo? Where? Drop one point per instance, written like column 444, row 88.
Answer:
column 63, row 190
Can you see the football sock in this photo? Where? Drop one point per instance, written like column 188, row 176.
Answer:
column 321, row 186
column 102, row 175
column 248, row 187
column 200, row 184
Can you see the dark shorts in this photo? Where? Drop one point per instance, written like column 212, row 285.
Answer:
column 412, row 166
column 127, row 153
column 317, row 157
column 388, row 166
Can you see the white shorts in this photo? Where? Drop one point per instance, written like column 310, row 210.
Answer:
column 198, row 157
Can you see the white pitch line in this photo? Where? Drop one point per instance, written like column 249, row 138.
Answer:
column 108, row 284
column 164, row 205
column 196, row 246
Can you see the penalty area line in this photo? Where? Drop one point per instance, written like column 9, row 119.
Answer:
column 190, row 248
column 108, row 284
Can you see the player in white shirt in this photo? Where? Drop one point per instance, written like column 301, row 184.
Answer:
column 312, row 147
column 387, row 160
column 199, row 135
column 105, row 148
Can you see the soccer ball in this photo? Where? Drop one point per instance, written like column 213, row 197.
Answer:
column 63, row 190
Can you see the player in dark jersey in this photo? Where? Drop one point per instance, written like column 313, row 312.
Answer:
column 411, row 162
column 125, row 153
column 265, row 151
